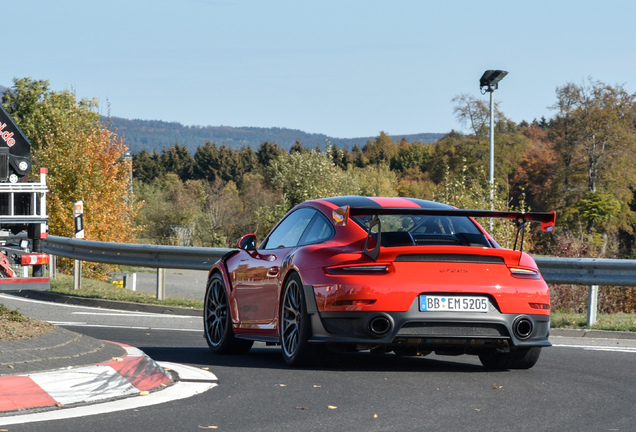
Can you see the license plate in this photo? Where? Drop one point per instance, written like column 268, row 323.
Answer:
column 437, row 303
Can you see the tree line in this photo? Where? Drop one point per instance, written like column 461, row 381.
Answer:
column 579, row 163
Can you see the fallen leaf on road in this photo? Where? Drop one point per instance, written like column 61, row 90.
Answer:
column 332, row 407
column 281, row 385
column 495, row 386
column 144, row 393
column 117, row 359
column 208, row 427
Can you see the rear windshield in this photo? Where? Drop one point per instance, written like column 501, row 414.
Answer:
column 417, row 229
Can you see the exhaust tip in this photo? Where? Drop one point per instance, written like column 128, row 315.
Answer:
column 523, row 328
column 380, row 325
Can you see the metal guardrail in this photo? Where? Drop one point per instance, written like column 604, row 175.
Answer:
column 577, row 271
column 141, row 255
column 588, row 271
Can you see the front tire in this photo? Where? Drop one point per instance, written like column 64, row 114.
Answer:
column 295, row 328
column 217, row 321
column 521, row 358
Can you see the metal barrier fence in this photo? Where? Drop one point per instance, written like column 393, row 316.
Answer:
column 577, row 271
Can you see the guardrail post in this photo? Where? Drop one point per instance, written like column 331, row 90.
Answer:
column 52, row 266
column 161, row 284
column 592, row 305
column 77, row 275
column 130, row 281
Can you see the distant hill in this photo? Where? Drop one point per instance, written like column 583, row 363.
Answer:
column 154, row 135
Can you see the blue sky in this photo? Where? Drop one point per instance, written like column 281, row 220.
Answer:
column 338, row 67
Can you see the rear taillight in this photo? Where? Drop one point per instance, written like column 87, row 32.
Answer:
column 34, row 259
column 363, row 302
column 369, row 269
column 524, row 273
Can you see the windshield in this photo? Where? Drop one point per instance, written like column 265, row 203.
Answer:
column 417, row 229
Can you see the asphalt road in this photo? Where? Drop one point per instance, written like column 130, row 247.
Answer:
column 580, row 384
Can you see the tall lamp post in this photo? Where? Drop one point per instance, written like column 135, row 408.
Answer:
column 488, row 82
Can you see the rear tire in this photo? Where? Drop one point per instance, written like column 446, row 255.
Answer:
column 295, row 327
column 521, row 358
column 217, row 321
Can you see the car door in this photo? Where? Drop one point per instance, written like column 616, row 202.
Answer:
column 257, row 275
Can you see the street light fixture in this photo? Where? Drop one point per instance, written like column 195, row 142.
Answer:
column 488, row 82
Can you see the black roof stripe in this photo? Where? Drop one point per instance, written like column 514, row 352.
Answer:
column 360, row 201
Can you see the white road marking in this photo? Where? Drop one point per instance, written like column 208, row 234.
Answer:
column 83, row 324
column 198, row 381
column 133, row 313
column 599, row 348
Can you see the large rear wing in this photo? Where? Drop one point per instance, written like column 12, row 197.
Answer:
column 341, row 217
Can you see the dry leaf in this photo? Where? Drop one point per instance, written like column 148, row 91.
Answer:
column 117, row 359
column 208, row 427
column 281, row 385
column 332, row 407
column 375, row 416
column 317, row 386
column 478, row 409
column 144, row 393
column 495, row 386
column 206, row 368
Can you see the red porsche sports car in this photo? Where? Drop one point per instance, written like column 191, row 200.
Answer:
column 398, row 275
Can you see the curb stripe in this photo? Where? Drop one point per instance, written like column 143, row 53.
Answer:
column 20, row 392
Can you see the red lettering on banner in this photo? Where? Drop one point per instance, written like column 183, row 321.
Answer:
column 7, row 136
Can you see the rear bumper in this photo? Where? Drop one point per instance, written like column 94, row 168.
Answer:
column 31, row 283
column 428, row 329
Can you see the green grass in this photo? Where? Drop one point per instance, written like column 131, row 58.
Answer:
column 63, row 284
column 10, row 315
column 616, row 322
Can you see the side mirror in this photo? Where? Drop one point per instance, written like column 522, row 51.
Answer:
column 247, row 242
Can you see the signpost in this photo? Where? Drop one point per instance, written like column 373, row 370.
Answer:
column 78, row 214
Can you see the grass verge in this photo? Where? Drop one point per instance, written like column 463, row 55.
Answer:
column 63, row 284
column 616, row 322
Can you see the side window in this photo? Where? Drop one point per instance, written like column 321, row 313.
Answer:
column 288, row 233
column 319, row 230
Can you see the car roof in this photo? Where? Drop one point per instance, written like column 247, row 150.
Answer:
column 384, row 202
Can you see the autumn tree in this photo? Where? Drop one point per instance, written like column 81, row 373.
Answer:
column 304, row 176
column 475, row 114
column 595, row 140
column 84, row 159
column 171, row 209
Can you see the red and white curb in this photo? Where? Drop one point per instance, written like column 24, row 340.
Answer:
column 133, row 374
column 192, row 381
